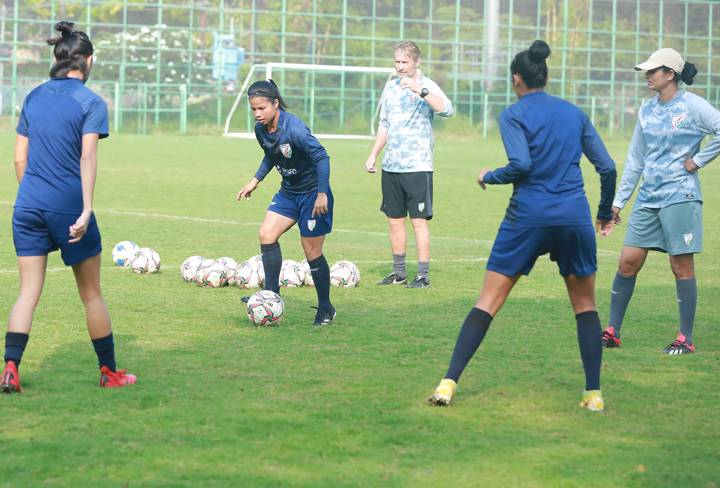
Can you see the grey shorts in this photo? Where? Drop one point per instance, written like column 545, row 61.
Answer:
column 407, row 193
column 675, row 229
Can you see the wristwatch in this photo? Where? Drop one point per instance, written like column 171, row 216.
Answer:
column 424, row 92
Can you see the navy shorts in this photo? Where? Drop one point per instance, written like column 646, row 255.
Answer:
column 517, row 248
column 299, row 207
column 39, row 232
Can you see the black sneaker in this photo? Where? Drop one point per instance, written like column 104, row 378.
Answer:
column 245, row 299
column 419, row 282
column 393, row 279
column 324, row 315
column 680, row 346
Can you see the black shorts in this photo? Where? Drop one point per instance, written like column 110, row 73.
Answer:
column 405, row 193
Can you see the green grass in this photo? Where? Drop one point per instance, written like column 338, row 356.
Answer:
column 220, row 402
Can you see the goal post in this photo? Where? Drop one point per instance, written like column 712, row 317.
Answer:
column 336, row 102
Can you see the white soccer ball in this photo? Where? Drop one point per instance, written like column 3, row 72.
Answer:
column 189, row 267
column 145, row 261
column 202, row 269
column 256, row 264
column 306, row 273
column 291, row 274
column 213, row 276
column 123, row 252
column 246, row 276
column 265, row 307
column 344, row 274
column 231, row 268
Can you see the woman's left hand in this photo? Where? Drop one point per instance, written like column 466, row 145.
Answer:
column 321, row 205
column 79, row 228
column 480, row 177
column 691, row 166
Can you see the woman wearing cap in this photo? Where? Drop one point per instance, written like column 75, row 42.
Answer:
column 544, row 138
column 56, row 164
column 667, row 215
column 304, row 195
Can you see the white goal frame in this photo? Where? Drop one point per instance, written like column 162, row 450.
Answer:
column 329, row 68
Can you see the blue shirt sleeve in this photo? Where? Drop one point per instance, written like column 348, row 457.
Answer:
column 23, row 127
column 597, row 154
column 708, row 120
column 518, row 152
column 96, row 119
column 634, row 165
column 311, row 147
column 265, row 165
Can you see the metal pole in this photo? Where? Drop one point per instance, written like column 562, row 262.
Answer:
column 183, row 109
column 116, row 107
column 456, row 51
column 709, row 46
column 158, row 61
column 343, row 52
column 612, row 67
column 588, row 66
column 485, row 115
column 401, row 17
column 592, row 110
column 661, row 24
column 563, row 58
column 14, row 96
column 509, row 50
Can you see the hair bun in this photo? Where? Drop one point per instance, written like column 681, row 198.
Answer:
column 539, row 51
column 65, row 27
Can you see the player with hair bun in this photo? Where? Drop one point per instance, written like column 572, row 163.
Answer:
column 667, row 215
column 56, row 165
column 544, row 138
column 304, row 198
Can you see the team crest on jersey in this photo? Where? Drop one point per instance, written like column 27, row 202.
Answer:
column 678, row 121
column 286, row 150
column 687, row 238
column 311, row 224
column 421, row 206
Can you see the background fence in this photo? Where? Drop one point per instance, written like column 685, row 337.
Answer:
column 158, row 69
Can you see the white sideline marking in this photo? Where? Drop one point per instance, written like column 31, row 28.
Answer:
column 237, row 222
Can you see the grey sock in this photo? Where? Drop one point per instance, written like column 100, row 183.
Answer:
column 399, row 265
column 622, row 290
column 687, row 301
column 423, row 268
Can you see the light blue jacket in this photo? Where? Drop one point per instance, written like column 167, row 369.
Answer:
column 666, row 134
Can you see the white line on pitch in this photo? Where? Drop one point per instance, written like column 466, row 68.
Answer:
column 236, row 222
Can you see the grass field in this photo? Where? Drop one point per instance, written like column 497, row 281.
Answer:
column 222, row 403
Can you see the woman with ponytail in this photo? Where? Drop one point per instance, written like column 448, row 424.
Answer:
column 56, row 164
column 304, row 197
column 544, row 138
column 667, row 215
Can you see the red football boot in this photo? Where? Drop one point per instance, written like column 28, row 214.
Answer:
column 115, row 379
column 10, row 380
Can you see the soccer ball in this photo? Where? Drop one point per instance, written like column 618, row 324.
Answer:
column 214, row 276
column 306, row 273
column 344, row 274
column 145, row 261
column 123, row 252
column 245, row 276
column 231, row 267
column 202, row 269
column 265, row 307
column 256, row 265
column 291, row 274
column 189, row 267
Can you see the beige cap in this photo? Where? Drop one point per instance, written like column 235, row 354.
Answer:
column 667, row 57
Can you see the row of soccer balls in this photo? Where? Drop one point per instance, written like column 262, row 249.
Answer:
column 225, row 271
column 139, row 259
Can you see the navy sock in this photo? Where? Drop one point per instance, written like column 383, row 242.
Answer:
column 589, row 333
column 272, row 262
column 471, row 335
column 15, row 343
column 321, row 276
column 105, row 350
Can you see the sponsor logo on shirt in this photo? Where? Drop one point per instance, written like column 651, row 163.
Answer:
column 286, row 150
column 286, row 171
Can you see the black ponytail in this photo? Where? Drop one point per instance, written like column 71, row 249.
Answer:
column 267, row 89
column 71, row 50
column 531, row 65
column 688, row 73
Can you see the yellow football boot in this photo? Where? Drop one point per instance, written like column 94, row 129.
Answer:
column 443, row 394
column 592, row 400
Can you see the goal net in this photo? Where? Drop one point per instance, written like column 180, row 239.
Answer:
column 339, row 102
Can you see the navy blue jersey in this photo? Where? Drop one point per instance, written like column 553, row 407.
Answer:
column 544, row 137
column 54, row 118
column 296, row 154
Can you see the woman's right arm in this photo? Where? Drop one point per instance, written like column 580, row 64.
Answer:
column 21, row 155
column 634, row 165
